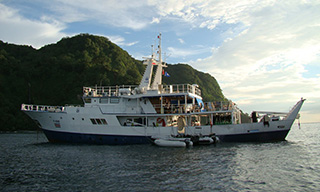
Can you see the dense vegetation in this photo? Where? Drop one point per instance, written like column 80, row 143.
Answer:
column 182, row 73
column 56, row 73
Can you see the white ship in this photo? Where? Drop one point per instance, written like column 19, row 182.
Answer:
column 167, row 115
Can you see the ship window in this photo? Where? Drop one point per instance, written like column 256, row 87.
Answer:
column 99, row 121
column 114, row 100
column 104, row 100
column 72, row 118
column 104, row 121
column 87, row 100
column 82, row 119
column 93, row 121
column 140, row 121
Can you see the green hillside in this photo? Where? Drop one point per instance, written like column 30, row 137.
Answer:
column 56, row 73
column 182, row 73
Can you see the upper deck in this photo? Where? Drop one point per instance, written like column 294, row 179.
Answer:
column 124, row 90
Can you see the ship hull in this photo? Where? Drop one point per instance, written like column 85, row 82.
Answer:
column 58, row 129
column 104, row 139
column 98, row 139
column 256, row 137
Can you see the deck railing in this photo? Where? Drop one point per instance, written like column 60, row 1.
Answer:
column 103, row 91
column 180, row 88
column 193, row 108
column 42, row 108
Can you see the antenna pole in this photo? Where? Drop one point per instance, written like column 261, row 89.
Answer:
column 160, row 59
column 152, row 52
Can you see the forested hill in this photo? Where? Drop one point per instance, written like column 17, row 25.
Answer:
column 183, row 73
column 56, row 73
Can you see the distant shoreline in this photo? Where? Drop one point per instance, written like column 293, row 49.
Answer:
column 21, row 131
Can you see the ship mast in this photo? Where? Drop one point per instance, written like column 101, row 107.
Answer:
column 159, row 48
column 147, row 76
column 158, row 76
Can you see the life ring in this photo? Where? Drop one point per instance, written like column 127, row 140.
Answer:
column 160, row 120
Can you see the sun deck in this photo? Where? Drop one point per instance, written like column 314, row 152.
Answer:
column 116, row 91
column 42, row 108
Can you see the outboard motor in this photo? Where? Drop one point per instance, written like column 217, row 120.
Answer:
column 188, row 142
column 254, row 117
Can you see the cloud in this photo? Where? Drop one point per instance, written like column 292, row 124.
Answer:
column 119, row 13
column 20, row 30
column 180, row 53
column 49, row 27
column 155, row 20
column 181, row 41
column 120, row 41
column 265, row 62
column 208, row 13
column 186, row 52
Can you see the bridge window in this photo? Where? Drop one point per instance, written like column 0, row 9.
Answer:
column 104, row 121
column 114, row 100
column 93, row 121
column 104, row 100
column 99, row 121
column 87, row 100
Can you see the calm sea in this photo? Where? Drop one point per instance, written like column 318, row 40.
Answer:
column 29, row 163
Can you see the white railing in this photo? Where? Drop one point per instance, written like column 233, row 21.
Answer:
column 42, row 108
column 180, row 88
column 193, row 108
column 109, row 91
column 103, row 91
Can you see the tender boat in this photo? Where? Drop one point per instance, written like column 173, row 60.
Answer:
column 173, row 142
column 167, row 115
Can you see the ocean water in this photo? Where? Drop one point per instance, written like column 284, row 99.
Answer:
column 29, row 163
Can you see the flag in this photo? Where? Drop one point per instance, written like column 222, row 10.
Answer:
column 166, row 74
column 153, row 63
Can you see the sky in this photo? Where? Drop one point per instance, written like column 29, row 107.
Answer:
column 265, row 54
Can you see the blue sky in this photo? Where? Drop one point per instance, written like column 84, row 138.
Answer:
column 265, row 54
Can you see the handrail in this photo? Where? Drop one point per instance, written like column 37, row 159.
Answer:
column 180, row 88
column 193, row 108
column 103, row 91
column 42, row 108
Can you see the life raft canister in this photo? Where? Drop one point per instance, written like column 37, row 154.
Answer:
column 160, row 120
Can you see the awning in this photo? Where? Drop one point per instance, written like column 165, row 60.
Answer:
column 200, row 103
